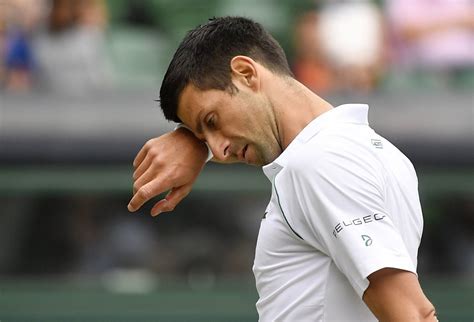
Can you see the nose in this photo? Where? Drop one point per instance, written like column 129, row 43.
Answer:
column 220, row 147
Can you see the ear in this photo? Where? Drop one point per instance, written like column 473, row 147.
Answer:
column 245, row 72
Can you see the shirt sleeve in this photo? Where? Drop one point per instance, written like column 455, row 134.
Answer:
column 339, row 208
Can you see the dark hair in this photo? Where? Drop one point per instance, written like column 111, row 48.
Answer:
column 203, row 58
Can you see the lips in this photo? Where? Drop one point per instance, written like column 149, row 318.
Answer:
column 245, row 151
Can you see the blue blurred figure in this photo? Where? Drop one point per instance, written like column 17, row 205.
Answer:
column 19, row 61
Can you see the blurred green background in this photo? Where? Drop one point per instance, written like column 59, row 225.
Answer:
column 78, row 81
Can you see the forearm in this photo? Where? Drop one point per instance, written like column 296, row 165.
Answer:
column 396, row 296
column 405, row 312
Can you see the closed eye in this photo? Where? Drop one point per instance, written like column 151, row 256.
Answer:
column 211, row 121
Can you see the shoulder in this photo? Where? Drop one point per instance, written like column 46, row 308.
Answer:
column 337, row 160
column 332, row 149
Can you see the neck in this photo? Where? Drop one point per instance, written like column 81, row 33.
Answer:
column 294, row 107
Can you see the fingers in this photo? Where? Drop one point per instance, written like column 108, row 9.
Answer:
column 143, row 166
column 146, row 192
column 140, row 155
column 173, row 198
column 159, row 207
column 145, row 178
column 168, row 162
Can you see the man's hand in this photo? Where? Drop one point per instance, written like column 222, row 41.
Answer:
column 171, row 162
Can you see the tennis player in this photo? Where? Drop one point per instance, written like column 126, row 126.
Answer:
column 341, row 233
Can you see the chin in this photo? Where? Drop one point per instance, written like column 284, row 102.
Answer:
column 256, row 164
column 264, row 162
column 261, row 158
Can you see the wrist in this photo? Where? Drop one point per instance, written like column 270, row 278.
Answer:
column 209, row 151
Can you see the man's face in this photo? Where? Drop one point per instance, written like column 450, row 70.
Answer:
column 238, row 127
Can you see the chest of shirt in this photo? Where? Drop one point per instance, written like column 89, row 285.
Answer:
column 296, row 281
column 279, row 246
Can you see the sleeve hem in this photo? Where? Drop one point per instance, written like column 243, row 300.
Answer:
column 403, row 263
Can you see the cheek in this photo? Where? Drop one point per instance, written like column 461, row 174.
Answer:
column 243, row 125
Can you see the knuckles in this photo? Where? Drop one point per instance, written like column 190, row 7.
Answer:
column 143, row 193
column 136, row 187
column 152, row 152
column 156, row 163
column 148, row 144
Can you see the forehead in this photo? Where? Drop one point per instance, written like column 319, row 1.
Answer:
column 189, row 104
column 194, row 101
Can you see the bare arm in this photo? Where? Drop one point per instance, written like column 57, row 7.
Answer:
column 395, row 295
column 171, row 162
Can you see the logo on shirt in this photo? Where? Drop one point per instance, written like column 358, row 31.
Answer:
column 347, row 224
column 377, row 143
column 367, row 240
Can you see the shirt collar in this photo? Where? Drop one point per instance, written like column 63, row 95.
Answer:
column 347, row 113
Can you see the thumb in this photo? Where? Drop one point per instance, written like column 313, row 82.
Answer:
column 172, row 199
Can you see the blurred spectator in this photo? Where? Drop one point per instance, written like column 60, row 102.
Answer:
column 3, row 31
column 19, row 19
column 433, row 37
column 352, row 38
column 71, row 54
column 341, row 47
column 18, row 61
column 311, row 66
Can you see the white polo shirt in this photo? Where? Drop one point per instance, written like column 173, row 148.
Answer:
column 344, row 204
